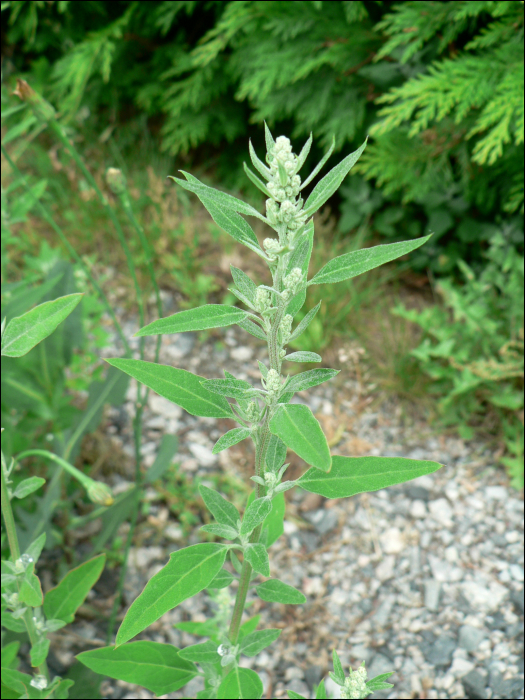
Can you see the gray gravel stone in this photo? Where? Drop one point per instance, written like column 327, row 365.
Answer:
column 474, row 685
column 432, row 594
column 471, row 637
column 324, row 520
column 439, row 652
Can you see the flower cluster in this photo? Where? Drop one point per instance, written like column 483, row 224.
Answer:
column 355, row 684
column 262, row 300
column 284, row 187
column 272, row 385
column 286, row 328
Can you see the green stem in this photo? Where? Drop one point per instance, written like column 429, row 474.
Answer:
column 14, row 549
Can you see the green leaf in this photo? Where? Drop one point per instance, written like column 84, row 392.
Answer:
column 198, row 319
column 229, row 533
column 299, row 255
column 241, row 297
column 355, row 263
column 294, row 695
column 26, row 331
column 62, row 601
column 253, row 329
column 273, row 523
column 30, row 592
column 351, row 475
column 188, row 571
column 27, row 486
column 320, row 693
column 319, row 165
column 9, row 655
column 243, row 283
column 199, row 629
column 222, row 580
column 35, row 548
column 222, row 510
column 176, row 385
column 255, row 642
column 275, row 591
column 338, row 676
column 167, row 450
column 303, row 325
column 258, row 164
column 201, row 653
column 304, row 153
column 263, row 368
column 232, row 437
column 378, row 683
column 256, row 181
column 249, row 626
column 154, row 666
column 240, row 683
column 257, row 556
column 254, row 514
column 313, row 377
column 225, row 201
column 326, row 187
column 39, row 651
column 299, row 429
column 16, row 680
column 303, row 357
column 234, row 388
column 276, row 454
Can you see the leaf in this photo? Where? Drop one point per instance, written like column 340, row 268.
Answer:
column 222, row 510
column 27, row 486
column 35, row 548
column 39, row 651
column 241, row 683
column 243, row 283
column 276, row 454
column 177, row 385
column 200, row 653
column 255, row 642
column 222, row 580
column 198, row 319
column 24, row 332
column 351, row 475
column 229, row 533
column 258, row 164
column 30, row 592
column 326, row 187
column 254, row 514
column 304, row 152
column 256, row 181
column 319, row 165
column 299, row 255
column 188, row 571
column 355, row 263
column 312, row 377
column 225, row 201
column 275, row 591
column 152, row 665
column 263, row 368
column 61, row 602
column 303, row 357
column 273, row 523
column 253, row 329
column 167, row 450
column 232, row 437
column 234, row 388
column 294, row 695
column 303, row 325
column 298, row 428
column 249, row 626
column 338, row 675
column 378, row 683
column 320, row 693
column 199, row 629
column 257, row 556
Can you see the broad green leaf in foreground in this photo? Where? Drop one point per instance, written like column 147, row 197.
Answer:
column 157, row 667
column 234, row 388
column 30, row 591
column 222, row 510
column 61, row 602
column 222, row 580
column 26, row 331
column 198, row 319
column 255, row 642
column 355, row 263
column 188, row 571
column 299, row 429
column 275, row 591
column 177, row 385
column 351, row 475
column 274, row 520
column 241, row 683
column 310, row 378
column 201, row 653
column 275, row 454
column 27, row 486
column 303, row 325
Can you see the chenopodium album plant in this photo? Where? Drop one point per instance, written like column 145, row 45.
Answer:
column 268, row 417
column 25, row 609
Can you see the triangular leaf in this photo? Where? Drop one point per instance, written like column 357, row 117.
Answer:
column 298, row 428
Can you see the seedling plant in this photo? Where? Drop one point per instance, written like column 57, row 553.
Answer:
column 269, row 417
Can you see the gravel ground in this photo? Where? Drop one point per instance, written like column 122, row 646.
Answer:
column 424, row 579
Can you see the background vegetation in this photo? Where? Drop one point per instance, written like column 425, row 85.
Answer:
column 154, row 87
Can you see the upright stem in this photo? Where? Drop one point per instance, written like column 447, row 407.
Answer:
column 14, row 549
